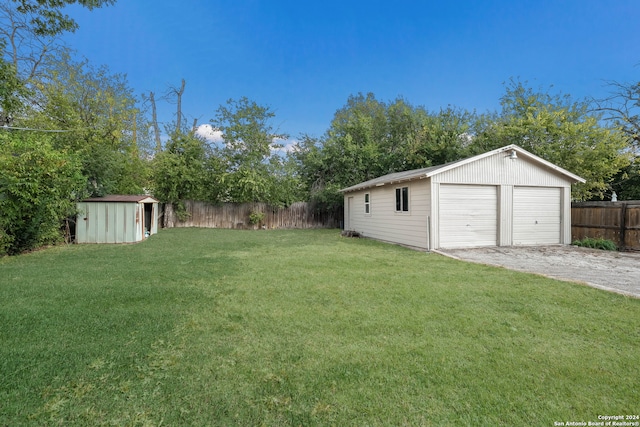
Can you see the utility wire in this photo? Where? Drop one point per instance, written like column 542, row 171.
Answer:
column 35, row 130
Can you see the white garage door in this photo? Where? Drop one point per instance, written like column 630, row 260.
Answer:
column 468, row 216
column 536, row 215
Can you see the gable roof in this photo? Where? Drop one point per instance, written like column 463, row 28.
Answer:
column 123, row 198
column 397, row 177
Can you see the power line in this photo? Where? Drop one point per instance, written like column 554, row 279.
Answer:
column 5, row 127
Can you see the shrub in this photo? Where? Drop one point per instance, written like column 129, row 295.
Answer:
column 37, row 189
column 255, row 217
column 599, row 243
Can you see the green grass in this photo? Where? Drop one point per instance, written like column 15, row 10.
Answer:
column 224, row 327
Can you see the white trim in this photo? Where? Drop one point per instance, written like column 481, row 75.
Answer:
column 396, row 178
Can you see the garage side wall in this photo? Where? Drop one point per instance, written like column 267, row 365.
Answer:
column 383, row 222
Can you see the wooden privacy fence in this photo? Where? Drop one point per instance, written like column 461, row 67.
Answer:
column 616, row 221
column 232, row 215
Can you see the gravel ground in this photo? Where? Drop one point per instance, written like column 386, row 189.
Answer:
column 612, row 271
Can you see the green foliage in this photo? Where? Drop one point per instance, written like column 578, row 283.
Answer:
column 622, row 109
column 256, row 217
column 47, row 16
column 185, row 171
column 369, row 138
column 627, row 182
column 596, row 243
column 97, row 110
column 253, row 170
column 12, row 92
column 38, row 186
column 561, row 131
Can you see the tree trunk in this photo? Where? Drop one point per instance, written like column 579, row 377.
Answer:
column 154, row 120
column 179, row 93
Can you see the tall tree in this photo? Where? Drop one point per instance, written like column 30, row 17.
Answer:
column 369, row 138
column 561, row 131
column 30, row 30
column 47, row 18
column 12, row 93
column 154, row 122
column 186, row 170
column 248, row 153
column 622, row 109
column 95, row 112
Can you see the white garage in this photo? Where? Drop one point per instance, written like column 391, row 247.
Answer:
column 503, row 197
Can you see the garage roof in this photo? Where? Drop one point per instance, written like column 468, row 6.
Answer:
column 434, row 170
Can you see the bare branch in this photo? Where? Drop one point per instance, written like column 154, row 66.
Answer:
column 154, row 122
column 622, row 107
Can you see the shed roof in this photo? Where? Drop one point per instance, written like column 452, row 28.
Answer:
column 434, row 170
column 123, row 198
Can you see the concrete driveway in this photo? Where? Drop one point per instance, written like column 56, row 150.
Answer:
column 612, row 271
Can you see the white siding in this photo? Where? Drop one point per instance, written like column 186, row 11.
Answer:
column 566, row 215
column 487, row 201
column 499, row 169
column 505, row 215
column 468, row 216
column 383, row 222
column 536, row 215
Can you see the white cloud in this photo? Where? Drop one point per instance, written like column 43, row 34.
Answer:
column 285, row 145
column 209, row 133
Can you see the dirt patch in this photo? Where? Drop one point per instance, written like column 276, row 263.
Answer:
column 613, row 271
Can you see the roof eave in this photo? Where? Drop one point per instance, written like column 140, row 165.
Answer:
column 518, row 150
column 360, row 187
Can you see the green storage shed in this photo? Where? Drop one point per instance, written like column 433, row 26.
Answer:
column 116, row 219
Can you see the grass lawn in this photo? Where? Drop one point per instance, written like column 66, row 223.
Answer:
column 225, row 327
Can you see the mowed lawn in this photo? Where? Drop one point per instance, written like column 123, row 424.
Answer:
column 226, row 327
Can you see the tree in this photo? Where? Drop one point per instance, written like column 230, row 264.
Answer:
column 369, row 138
column 46, row 16
column 38, row 187
column 154, row 123
column 12, row 93
column 253, row 170
column 622, row 109
column 29, row 31
column 22, row 45
column 96, row 113
column 185, row 170
column 561, row 131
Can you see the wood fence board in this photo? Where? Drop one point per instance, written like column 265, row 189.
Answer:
column 616, row 221
column 236, row 216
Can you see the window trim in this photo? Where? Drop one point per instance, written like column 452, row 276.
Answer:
column 367, row 203
column 402, row 200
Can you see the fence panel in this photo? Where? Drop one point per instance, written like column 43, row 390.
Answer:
column 616, row 221
column 236, row 216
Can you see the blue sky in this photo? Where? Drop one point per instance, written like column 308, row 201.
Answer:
column 304, row 58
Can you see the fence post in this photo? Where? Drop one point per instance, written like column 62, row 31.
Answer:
column 623, row 226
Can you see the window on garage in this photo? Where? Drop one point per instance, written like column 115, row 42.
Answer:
column 402, row 199
column 367, row 203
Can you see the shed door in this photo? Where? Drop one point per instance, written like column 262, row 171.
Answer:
column 468, row 215
column 536, row 215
